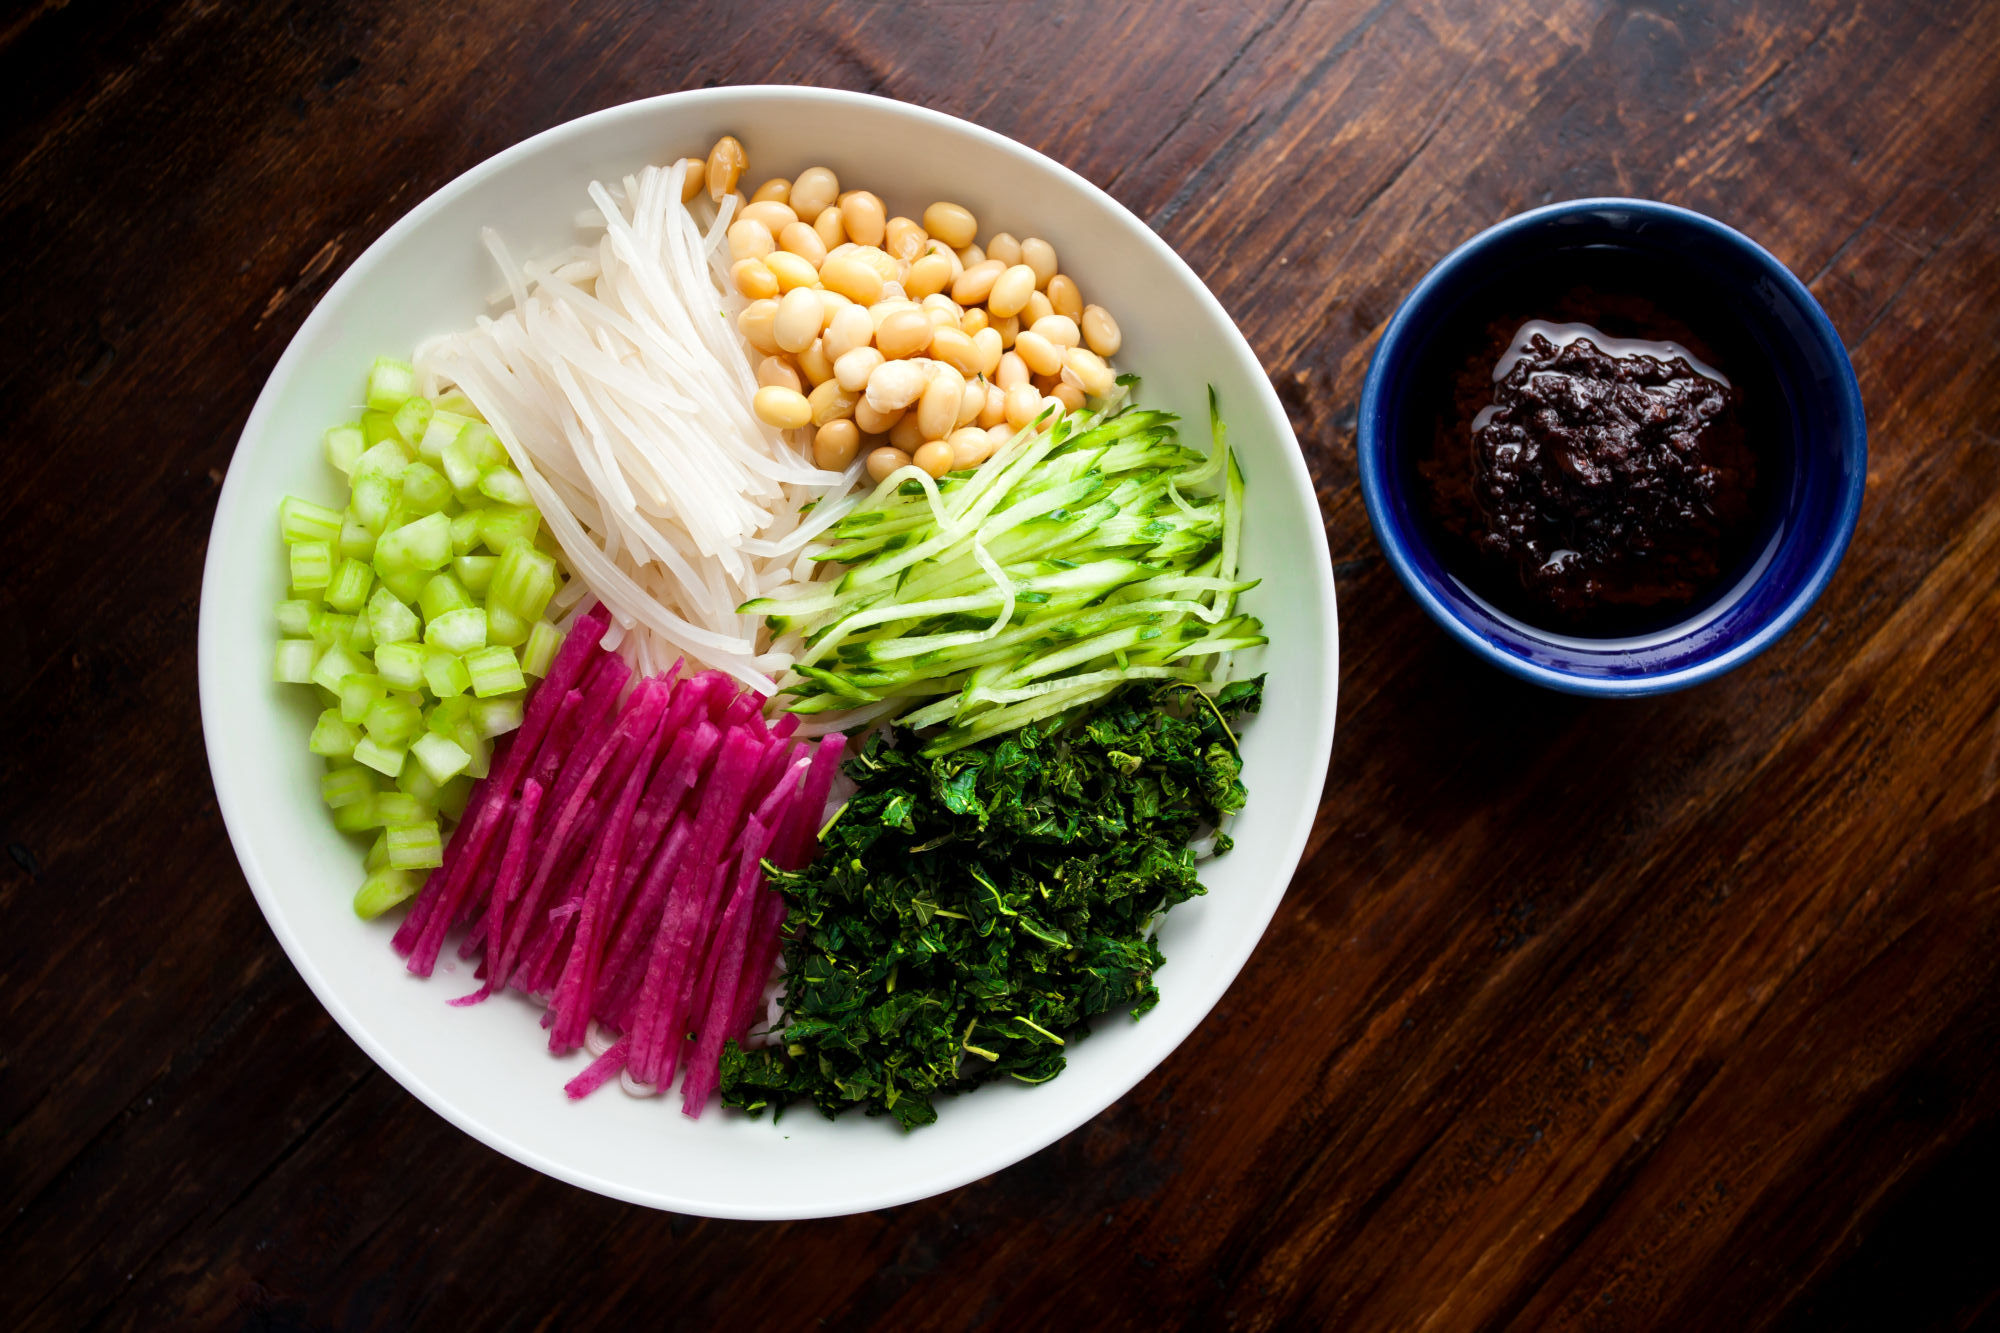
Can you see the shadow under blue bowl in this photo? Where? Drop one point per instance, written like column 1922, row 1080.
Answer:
column 1822, row 456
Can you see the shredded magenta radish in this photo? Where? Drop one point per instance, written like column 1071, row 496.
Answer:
column 491, row 794
column 571, row 1019
column 721, row 974
column 599, row 1072
column 612, row 863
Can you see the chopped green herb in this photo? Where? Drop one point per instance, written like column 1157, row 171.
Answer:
column 969, row 913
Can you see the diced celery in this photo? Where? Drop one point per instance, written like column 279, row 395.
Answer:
column 440, row 430
column 399, row 807
column 441, row 759
column 386, row 460
column 295, row 619
column 503, row 485
column 383, row 890
column 331, row 737
column 329, row 627
column 336, row 664
column 295, row 661
column 425, row 491
column 496, row 717
column 378, row 853
column 447, row 715
column 468, row 739
column 460, row 631
column 401, row 664
column 348, row 589
column 303, row 521
column 360, row 637
column 441, row 594
column 393, row 721
column 453, row 795
column 503, row 525
column 524, row 581
column 312, row 565
column 357, row 695
column 413, row 781
column 389, row 621
column 374, row 496
column 465, row 532
column 404, row 583
column 423, row 544
column 540, row 650
column 504, row 627
column 494, row 671
column 346, row 785
column 391, row 383
column 415, row 846
column 475, row 572
column 358, row 817
column 451, row 400
column 384, row 759
column 344, row 445
column 411, row 420
column 377, row 427
column 455, row 459
column 356, row 541
column 482, row 446
column 444, row 672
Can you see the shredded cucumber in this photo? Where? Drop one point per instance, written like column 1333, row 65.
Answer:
column 1099, row 552
column 405, row 609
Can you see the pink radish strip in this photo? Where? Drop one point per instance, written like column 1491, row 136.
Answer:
column 697, row 966
column 498, row 786
column 599, row 1072
column 513, row 864
column 771, row 789
column 657, row 1017
column 423, row 956
column 810, row 814
column 785, row 726
column 795, row 846
column 589, row 728
column 766, row 937
column 486, row 910
column 542, row 956
column 660, row 1012
column 740, row 710
column 619, row 979
column 724, row 973
column 672, row 781
column 579, row 780
column 756, row 841
column 550, row 724
column 569, row 1002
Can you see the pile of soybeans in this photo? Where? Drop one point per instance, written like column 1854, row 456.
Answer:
column 904, row 341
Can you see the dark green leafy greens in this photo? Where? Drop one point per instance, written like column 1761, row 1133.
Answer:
column 968, row 914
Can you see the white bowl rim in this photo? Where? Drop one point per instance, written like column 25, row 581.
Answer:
column 214, row 706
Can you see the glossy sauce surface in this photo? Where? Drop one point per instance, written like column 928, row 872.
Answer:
column 1598, row 455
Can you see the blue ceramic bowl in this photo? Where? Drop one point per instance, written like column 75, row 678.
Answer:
column 1822, row 452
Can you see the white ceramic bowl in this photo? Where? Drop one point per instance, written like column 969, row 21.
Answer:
column 487, row 1069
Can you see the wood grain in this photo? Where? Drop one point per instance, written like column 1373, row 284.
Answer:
column 1678, row 1013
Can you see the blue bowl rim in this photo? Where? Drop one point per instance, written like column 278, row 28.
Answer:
column 1370, row 449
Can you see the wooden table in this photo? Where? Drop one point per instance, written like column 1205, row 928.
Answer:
column 1678, row 1013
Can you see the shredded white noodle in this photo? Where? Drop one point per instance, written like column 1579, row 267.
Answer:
column 618, row 382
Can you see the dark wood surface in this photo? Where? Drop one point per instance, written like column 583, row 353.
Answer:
column 1679, row 1013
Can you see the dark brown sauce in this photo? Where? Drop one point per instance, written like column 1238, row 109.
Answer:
column 1598, row 487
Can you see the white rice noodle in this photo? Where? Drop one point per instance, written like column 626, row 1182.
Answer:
column 616, row 379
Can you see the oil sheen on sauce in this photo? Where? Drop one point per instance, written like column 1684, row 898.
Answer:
column 1593, row 467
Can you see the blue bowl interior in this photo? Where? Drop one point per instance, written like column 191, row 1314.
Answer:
column 1819, row 464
